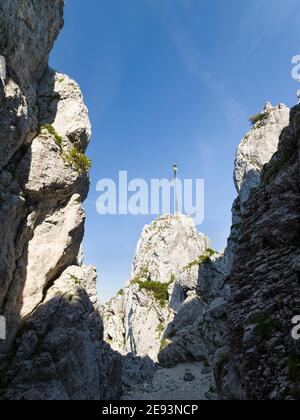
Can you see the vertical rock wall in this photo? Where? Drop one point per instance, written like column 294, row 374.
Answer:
column 54, row 347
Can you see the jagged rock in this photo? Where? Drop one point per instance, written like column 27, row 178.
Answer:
column 218, row 308
column 188, row 376
column 43, row 172
column 191, row 310
column 48, row 362
column 113, row 315
column 207, row 336
column 54, row 347
column 145, row 321
column 16, row 123
column 137, row 371
column 167, row 253
column 263, row 357
column 166, row 246
column 165, row 250
column 257, row 148
column 54, row 246
column 12, row 208
column 61, row 104
column 28, row 31
column 205, row 328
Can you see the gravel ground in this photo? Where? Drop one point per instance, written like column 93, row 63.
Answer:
column 188, row 382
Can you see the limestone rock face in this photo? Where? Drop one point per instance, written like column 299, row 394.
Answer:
column 257, row 148
column 113, row 315
column 166, row 246
column 16, row 122
column 264, row 359
column 206, row 336
column 199, row 330
column 161, row 279
column 54, row 347
column 61, row 104
column 28, row 31
column 55, row 357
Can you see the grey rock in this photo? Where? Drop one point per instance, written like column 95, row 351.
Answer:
column 55, row 348
column 257, row 148
column 49, row 350
column 265, row 283
column 188, row 377
column 218, row 308
column 167, row 252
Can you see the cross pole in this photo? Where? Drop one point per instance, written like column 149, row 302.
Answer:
column 175, row 169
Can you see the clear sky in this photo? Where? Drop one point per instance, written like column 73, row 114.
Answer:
column 172, row 81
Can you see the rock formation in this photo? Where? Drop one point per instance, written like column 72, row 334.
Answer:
column 215, row 322
column 54, row 348
column 209, row 337
column 162, row 278
column 230, row 311
column 263, row 361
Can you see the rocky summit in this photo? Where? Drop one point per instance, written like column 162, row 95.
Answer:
column 229, row 313
column 162, row 279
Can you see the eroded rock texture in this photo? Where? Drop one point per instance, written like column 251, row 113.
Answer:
column 264, row 359
column 162, row 278
column 54, row 348
column 201, row 329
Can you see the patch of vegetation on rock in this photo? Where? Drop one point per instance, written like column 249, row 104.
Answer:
column 257, row 118
column 158, row 289
column 51, row 130
column 160, row 329
column 78, row 160
column 163, row 344
column 202, row 259
column 75, row 279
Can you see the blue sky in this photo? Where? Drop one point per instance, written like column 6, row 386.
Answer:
column 172, row 81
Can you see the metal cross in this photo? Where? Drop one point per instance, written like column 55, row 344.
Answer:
column 175, row 169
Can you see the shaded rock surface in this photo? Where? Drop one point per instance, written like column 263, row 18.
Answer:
column 257, row 148
column 263, row 361
column 54, row 347
column 207, row 337
column 194, row 325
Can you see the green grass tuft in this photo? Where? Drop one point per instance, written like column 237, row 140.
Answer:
column 160, row 329
column 158, row 289
column 58, row 139
column 202, row 259
column 163, row 344
column 78, row 160
column 75, row 279
column 257, row 118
